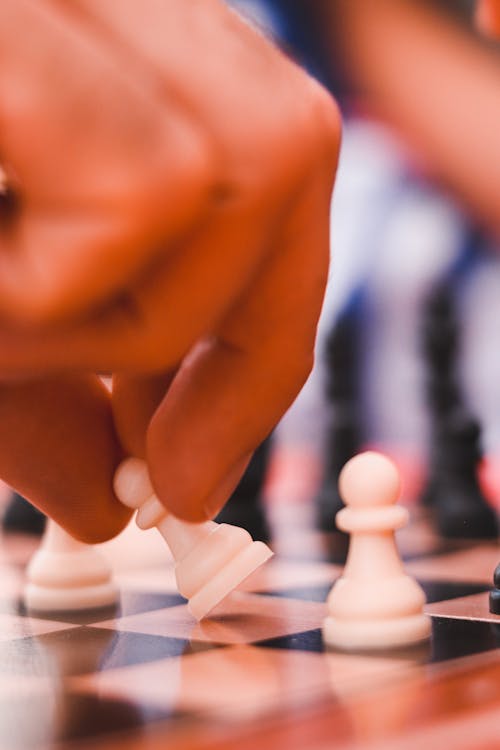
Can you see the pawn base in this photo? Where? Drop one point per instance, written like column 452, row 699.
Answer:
column 228, row 578
column 369, row 635
column 73, row 578
column 51, row 599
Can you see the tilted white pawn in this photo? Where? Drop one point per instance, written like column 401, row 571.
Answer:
column 211, row 559
column 374, row 605
column 65, row 575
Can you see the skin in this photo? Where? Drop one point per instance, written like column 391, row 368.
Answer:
column 488, row 17
column 169, row 225
column 59, row 448
column 437, row 84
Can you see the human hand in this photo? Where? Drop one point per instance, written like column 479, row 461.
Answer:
column 60, row 451
column 488, row 16
column 187, row 165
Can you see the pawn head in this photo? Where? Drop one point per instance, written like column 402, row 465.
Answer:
column 369, row 479
column 131, row 483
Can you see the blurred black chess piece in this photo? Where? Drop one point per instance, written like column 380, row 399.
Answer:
column 495, row 593
column 452, row 489
column 344, row 433
column 246, row 507
column 23, row 517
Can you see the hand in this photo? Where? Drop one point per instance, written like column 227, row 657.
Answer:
column 488, row 16
column 60, row 450
column 174, row 173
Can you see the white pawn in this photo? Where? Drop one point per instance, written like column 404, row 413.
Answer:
column 65, row 575
column 211, row 559
column 374, row 605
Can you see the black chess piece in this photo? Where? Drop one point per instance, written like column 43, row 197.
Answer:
column 439, row 346
column 459, row 505
column 245, row 507
column 21, row 516
column 452, row 490
column 344, row 433
column 495, row 593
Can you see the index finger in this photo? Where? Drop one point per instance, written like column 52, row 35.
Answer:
column 236, row 385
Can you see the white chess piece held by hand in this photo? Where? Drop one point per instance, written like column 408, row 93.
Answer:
column 211, row 559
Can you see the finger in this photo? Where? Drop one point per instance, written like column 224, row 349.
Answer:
column 488, row 17
column 103, row 165
column 214, row 502
column 59, row 450
column 154, row 327
column 236, row 386
column 134, row 400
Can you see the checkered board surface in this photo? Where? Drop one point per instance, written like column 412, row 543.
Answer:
column 256, row 674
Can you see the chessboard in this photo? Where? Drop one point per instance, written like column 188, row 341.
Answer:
column 256, row 674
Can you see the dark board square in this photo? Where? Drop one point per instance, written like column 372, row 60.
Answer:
column 304, row 593
column 308, row 640
column 130, row 603
column 127, row 649
column 82, row 650
column 439, row 591
column 435, row 591
column 453, row 638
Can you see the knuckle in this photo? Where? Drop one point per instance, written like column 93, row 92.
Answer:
column 181, row 166
column 312, row 139
column 332, row 131
column 330, row 113
column 327, row 124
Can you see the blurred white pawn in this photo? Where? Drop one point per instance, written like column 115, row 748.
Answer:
column 374, row 605
column 67, row 575
column 211, row 559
